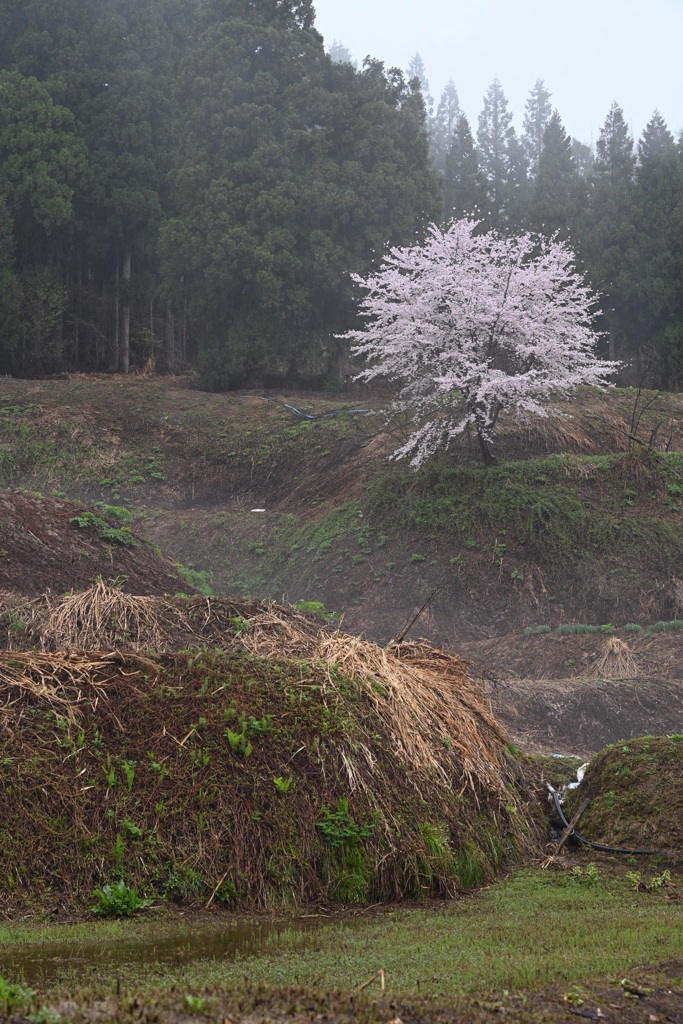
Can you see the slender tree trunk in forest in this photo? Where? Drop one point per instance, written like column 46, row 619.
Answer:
column 611, row 337
column 124, row 341
column 169, row 341
column 114, row 354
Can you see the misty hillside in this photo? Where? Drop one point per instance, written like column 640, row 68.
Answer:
column 576, row 522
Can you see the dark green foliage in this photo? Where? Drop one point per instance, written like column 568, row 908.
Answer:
column 559, row 192
column 537, row 117
column 338, row 828
column 464, row 187
column 270, row 169
column 501, row 159
column 118, row 901
column 311, row 168
column 116, row 534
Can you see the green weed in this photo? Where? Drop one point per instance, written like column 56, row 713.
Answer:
column 585, row 876
column 338, row 828
column 118, row 900
column 316, row 608
column 283, row 785
column 129, row 772
column 114, row 534
column 14, row 997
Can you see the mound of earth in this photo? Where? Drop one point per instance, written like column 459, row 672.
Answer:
column 636, row 797
column 582, row 716
column 286, row 763
column 50, row 545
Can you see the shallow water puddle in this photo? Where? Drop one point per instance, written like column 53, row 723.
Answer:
column 52, row 961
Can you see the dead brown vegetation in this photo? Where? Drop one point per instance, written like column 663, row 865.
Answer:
column 427, row 697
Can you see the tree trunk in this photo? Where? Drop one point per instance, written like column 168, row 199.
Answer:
column 114, row 352
column 488, row 458
column 124, row 341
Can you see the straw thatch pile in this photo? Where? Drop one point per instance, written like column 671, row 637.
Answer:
column 437, row 713
column 615, row 661
column 242, row 738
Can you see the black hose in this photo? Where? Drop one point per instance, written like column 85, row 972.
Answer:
column 308, row 415
column 587, row 842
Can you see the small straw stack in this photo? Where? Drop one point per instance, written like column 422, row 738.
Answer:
column 101, row 617
column 615, row 662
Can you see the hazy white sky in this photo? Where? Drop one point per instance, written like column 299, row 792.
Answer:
column 589, row 52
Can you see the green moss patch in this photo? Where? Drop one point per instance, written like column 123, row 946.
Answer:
column 636, row 796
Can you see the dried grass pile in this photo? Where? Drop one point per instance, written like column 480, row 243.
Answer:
column 427, row 697
column 438, row 715
column 102, row 617
column 615, row 661
column 244, row 764
column 69, row 683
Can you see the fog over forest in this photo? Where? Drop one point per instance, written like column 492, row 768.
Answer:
column 589, row 53
column 192, row 183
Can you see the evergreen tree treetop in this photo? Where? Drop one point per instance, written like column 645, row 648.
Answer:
column 537, row 115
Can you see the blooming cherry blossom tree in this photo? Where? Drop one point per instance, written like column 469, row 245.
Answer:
column 471, row 324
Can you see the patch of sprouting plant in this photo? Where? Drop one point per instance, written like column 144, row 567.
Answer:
column 109, row 770
column 118, row 900
column 114, row 534
column 196, row 1004
column 129, row 772
column 199, row 579
column 238, row 625
column 14, row 996
column 118, row 512
column 283, row 785
column 316, row 608
column 338, row 827
column 636, row 881
column 247, row 727
column 585, row 876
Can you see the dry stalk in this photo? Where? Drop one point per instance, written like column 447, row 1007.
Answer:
column 102, row 617
column 615, row 661
column 65, row 681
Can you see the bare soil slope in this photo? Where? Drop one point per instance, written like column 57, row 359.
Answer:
column 43, row 548
column 576, row 522
column 554, row 692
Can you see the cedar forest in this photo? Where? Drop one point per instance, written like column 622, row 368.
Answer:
column 194, row 183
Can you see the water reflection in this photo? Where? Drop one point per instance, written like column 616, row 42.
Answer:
column 168, row 946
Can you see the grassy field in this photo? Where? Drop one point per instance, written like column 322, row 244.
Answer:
column 527, row 932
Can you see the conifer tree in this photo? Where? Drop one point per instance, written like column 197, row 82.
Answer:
column 443, row 126
column 464, row 187
column 496, row 143
column 559, row 194
column 609, row 244
column 309, row 168
column 416, row 69
column 658, row 284
column 339, row 52
column 537, row 115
